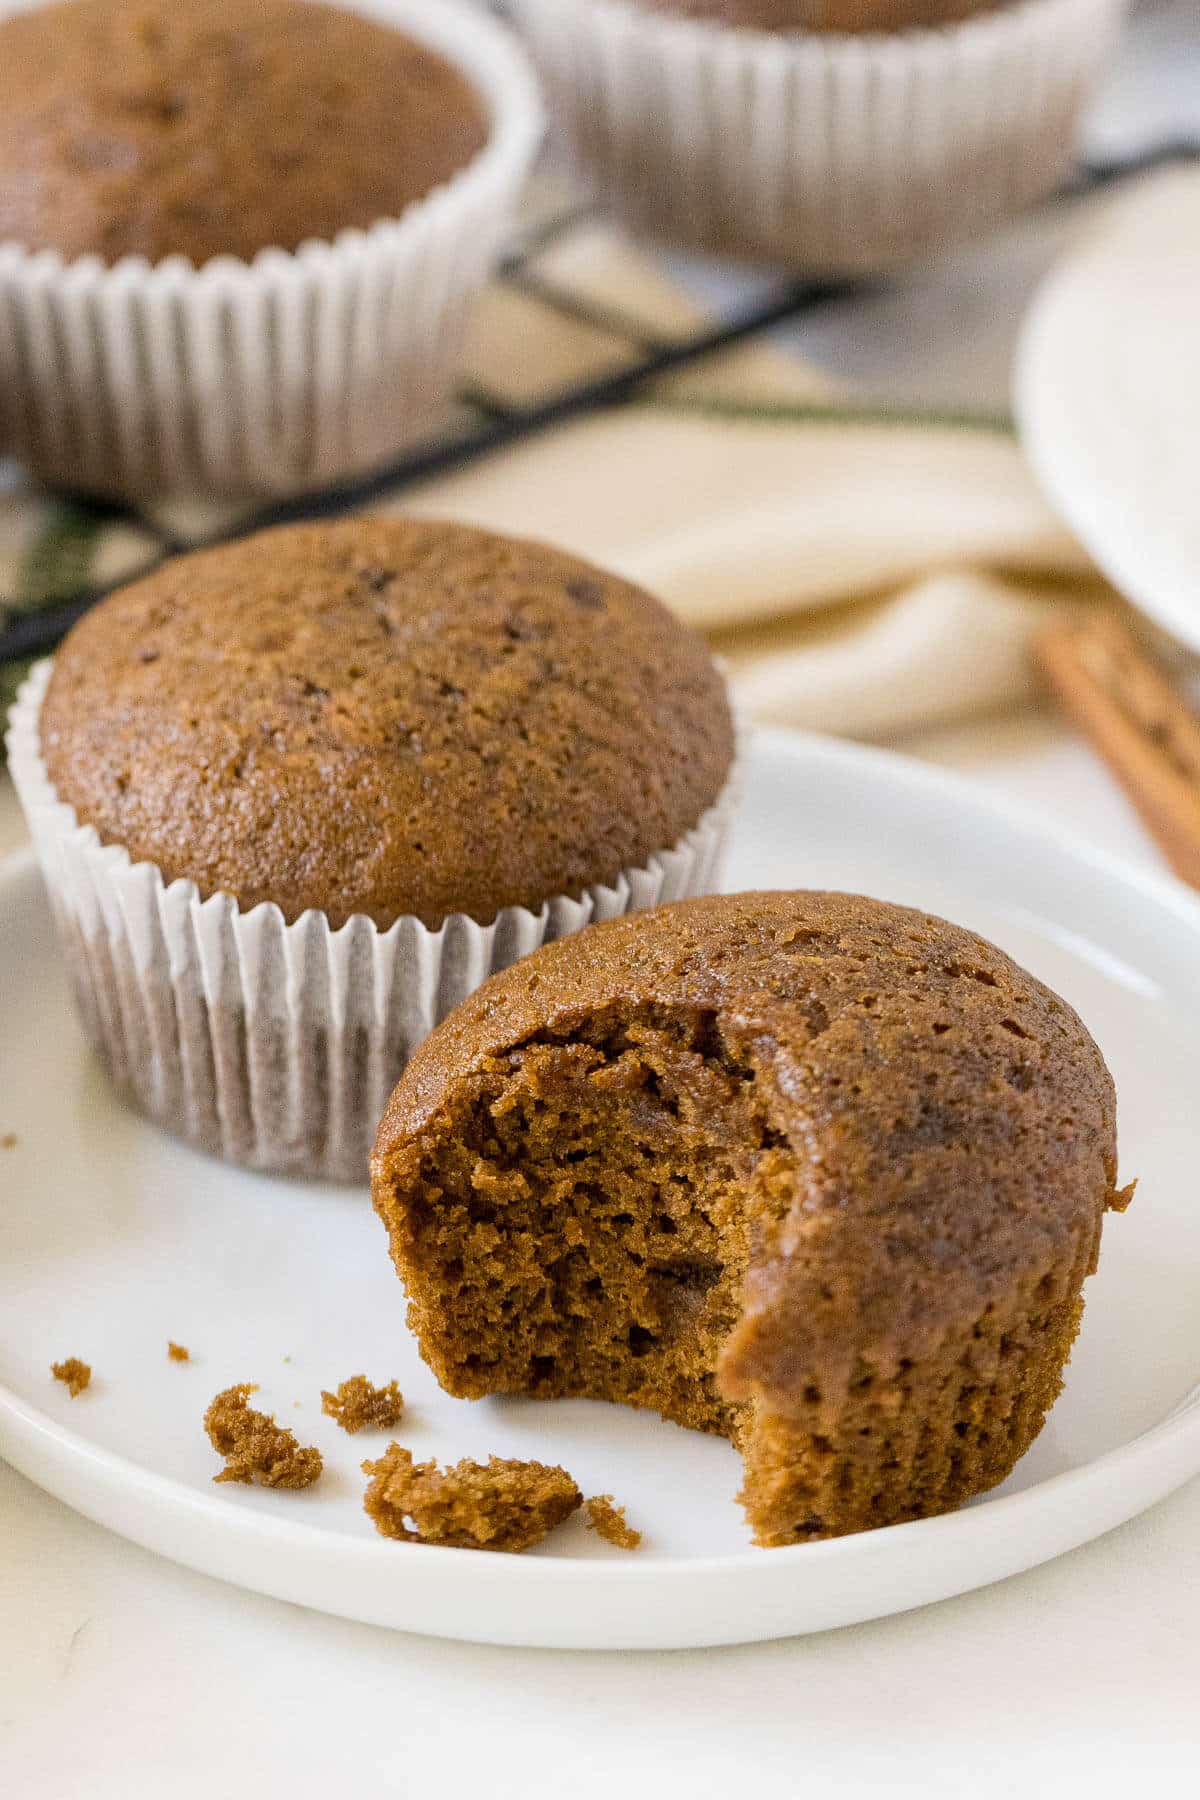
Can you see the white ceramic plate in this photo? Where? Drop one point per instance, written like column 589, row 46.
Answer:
column 113, row 1239
column 1107, row 394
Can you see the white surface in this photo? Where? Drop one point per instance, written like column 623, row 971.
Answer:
column 113, row 1237
column 1108, row 398
column 126, row 1676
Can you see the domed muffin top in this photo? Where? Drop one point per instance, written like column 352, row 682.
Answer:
column 209, row 127
column 824, row 15
column 386, row 716
column 935, row 1128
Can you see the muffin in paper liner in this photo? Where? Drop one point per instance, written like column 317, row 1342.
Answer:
column 830, row 154
column 276, row 1045
column 272, row 376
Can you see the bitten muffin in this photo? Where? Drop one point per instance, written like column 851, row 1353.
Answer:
column 386, row 717
column 152, row 128
column 818, row 1173
column 824, row 15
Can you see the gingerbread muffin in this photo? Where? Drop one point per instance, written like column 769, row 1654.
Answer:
column 817, row 1173
column 205, row 127
column 298, row 796
column 386, row 717
column 245, row 237
column 824, row 15
column 827, row 137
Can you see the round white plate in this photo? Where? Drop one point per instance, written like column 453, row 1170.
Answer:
column 1107, row 396
column 113, row 1239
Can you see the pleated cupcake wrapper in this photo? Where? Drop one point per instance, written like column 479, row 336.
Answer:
column 280, row 374
column 830, row 154
column 276, row 1045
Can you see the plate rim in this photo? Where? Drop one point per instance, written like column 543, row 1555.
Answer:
column 1153, row 1462
column 1036, row 393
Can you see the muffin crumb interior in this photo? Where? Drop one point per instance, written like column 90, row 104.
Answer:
column 607, row 1518
column 75, row 1374
column 255, row 1448
column 497, row 1505
column 358, row 1404
column 639, row 1152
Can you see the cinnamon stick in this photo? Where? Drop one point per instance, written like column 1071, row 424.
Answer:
column 1138, row 722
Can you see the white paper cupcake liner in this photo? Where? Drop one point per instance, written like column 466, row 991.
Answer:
column 276, row 1046
column 830, row 154
column 283, row 373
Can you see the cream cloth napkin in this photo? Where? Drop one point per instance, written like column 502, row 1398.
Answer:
column 856, row 579
column 861, row 573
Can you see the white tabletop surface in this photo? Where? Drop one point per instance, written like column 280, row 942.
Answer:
column 122, row 1676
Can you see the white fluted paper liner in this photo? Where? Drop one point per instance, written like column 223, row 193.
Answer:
column 296, row 369
column 273, row 1045
column 829, row 154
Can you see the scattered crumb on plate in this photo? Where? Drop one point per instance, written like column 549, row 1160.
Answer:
column 358, row 1403
column 178, row 1352
column 497, row 1505
column 255, row 1448
column 606, row 1517
column 75, row 1374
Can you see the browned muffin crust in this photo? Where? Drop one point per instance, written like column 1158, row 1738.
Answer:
column 825, row 15
column 386, row 717
column 818, row 1173
column 209, row 127
column 497, row 1505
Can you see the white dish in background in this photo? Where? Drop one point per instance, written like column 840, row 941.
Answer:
column 114, row 1238
column 1107, row 395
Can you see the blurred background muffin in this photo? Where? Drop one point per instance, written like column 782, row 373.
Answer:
column 824, row 15
column 153, row 128
column 237, row 244
column 832, row 137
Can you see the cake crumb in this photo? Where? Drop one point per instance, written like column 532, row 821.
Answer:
column 358, row 1403
column 255, row 1448
column 606, row 1517
column 8, row 1141
column 497, row 1505
column 76, row 1375
column 178, row 1352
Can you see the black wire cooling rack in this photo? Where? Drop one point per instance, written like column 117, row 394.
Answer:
column 488, row 422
